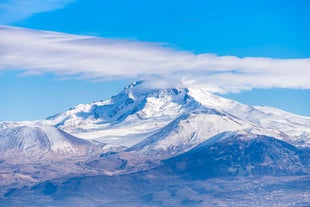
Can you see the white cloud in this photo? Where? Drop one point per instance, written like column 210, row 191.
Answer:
column 37, row 52
column 16, row 10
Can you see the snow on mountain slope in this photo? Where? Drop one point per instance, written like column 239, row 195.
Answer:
column 139, row 112
column 289, row 127
column 127, row 118
column 36, row 142
column 186, row 132
column 291, row 124
column 11, row 124
column 216, row 115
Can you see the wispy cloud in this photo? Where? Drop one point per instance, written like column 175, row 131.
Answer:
column 15, row 10
column 37, row 52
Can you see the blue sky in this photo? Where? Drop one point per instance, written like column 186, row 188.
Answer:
column 235, row 34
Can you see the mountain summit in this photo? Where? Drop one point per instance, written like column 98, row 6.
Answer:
column 161, row 121
column 144, row 111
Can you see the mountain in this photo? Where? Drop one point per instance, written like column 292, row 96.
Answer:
column 27, row 144
column 163, row 122
column 126, row 118
column 187, row 131
column 232, row 154
column 155, row 146
column 140, row 112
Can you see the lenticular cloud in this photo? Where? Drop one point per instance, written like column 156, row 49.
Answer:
column 36, row 52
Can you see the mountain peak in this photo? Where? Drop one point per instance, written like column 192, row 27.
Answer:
column 145, row 87
column 145, row 107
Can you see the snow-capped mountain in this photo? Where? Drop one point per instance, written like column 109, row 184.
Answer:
column 139, row 114
column 170, row 121
column 150, row 135
column 30, row 143
column 126, row 118
column 187, row 131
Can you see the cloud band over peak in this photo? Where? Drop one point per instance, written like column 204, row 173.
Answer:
column 37, row 52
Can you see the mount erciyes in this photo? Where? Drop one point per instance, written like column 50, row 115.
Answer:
column 146, row 137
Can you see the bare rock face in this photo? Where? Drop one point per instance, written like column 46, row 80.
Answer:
column 240, row 155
